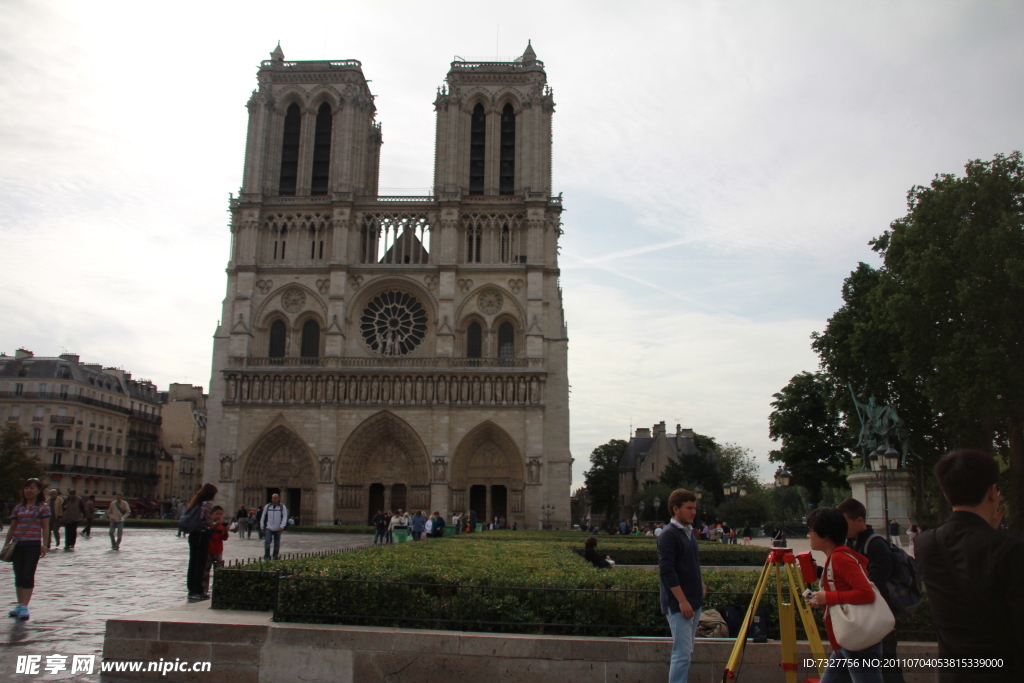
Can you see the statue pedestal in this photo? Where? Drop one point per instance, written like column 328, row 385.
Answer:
column 868, row 489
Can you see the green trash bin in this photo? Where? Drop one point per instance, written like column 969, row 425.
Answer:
column 449, row 529
column 401, row 534
column 479, row 527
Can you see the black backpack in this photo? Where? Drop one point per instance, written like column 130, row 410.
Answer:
column 904, row 583
column 192, row 519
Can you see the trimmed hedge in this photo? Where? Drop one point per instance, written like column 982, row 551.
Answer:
column 474, row 583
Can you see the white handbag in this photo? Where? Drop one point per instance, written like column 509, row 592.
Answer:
column 857, row 627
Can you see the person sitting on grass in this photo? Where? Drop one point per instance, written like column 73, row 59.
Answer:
column 590, row 554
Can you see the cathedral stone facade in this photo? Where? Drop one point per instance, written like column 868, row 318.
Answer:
column 394, row 352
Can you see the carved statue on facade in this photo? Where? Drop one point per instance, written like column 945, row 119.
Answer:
column 440, row 467
column 533, row 471
column 325, row 468
column 227, row 466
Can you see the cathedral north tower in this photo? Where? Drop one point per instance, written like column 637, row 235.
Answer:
column 384, row 352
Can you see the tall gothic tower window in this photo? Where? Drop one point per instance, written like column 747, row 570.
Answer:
column 474, row 236
column 277, row 335
column 507, row 175
column 311, row 339
column 290, row 151
column 321, row 150
column 474, row 341
column 477, row 141
column 506, row 341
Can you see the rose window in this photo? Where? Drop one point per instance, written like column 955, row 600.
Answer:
column 393, row 323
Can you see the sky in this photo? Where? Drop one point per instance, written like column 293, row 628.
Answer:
column 723, row 167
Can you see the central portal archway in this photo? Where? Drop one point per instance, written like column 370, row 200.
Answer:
column 383, row 465
column 488, row 475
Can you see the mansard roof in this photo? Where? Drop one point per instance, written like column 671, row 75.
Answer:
column 35, row 368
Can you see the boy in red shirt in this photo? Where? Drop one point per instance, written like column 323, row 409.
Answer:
column 219, row 534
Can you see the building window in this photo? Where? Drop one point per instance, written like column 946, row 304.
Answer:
column 277, row 337
column 506, row 341
column 474, row 236
column 507, row 171
column 310, row 339
column 290, row 151
column 477, row 142
column 474, row 341
column 321, row 150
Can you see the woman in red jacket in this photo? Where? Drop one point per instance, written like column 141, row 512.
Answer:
column 827, row 529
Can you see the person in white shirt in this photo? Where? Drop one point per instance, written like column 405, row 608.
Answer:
column 272, row 523
column 118, row 511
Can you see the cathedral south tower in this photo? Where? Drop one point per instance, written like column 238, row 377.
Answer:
column 380, row 352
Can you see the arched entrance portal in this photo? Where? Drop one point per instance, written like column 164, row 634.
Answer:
column 487, row 475
column 383, row 465
column 280, row 462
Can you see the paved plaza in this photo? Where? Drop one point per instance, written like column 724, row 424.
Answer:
column 76, row 592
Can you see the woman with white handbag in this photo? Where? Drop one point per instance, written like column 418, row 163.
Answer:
column 857, row 618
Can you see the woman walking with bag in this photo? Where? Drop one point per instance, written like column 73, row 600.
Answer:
column 30, row 524
column 199, row 538
column 857, row 618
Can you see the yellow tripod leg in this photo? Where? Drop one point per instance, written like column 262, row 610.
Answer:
column 741, row 638
column 810, row 626
column 787, row 626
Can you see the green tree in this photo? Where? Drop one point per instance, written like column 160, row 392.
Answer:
column 15, row 463
column 858, row 348
column 952, row 291
column 811, row 432
column 755, row 508
column 602, row 479
column 700, row 469
column 647, row 495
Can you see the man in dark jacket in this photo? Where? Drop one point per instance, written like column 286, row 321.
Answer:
column 880, row 568
column 682, row 589
column 972, row 572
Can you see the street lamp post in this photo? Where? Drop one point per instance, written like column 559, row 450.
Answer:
column 657, row 504
column 884, row 462
column 641, row 506
column 700, row 494
column 547, row 511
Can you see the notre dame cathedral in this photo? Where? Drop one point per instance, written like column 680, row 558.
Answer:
column 394, row 351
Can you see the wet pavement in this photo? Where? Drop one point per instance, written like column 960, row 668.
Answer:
column 76, row 592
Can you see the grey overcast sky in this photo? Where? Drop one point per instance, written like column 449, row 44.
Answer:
column 723, row 165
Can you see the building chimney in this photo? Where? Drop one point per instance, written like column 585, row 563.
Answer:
column 643, row 433
column 659, row 428
column 23, row 353
column 70, row 357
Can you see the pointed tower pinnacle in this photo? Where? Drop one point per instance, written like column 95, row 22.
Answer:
column 278, row 54
column 529, row 56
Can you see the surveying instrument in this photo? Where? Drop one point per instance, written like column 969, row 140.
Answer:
column 784, row 562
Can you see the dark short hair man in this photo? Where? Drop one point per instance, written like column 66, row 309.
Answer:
column 682, row 589
column 972, row 572
column 863, row 539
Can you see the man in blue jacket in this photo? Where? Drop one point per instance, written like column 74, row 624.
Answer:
column 682, row 588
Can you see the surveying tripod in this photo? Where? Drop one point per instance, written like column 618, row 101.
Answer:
column 784, row 563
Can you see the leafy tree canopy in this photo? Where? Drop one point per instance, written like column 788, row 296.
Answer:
column 952, row 292
column 15, row 463
column 809, row 427
column 602, row 479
